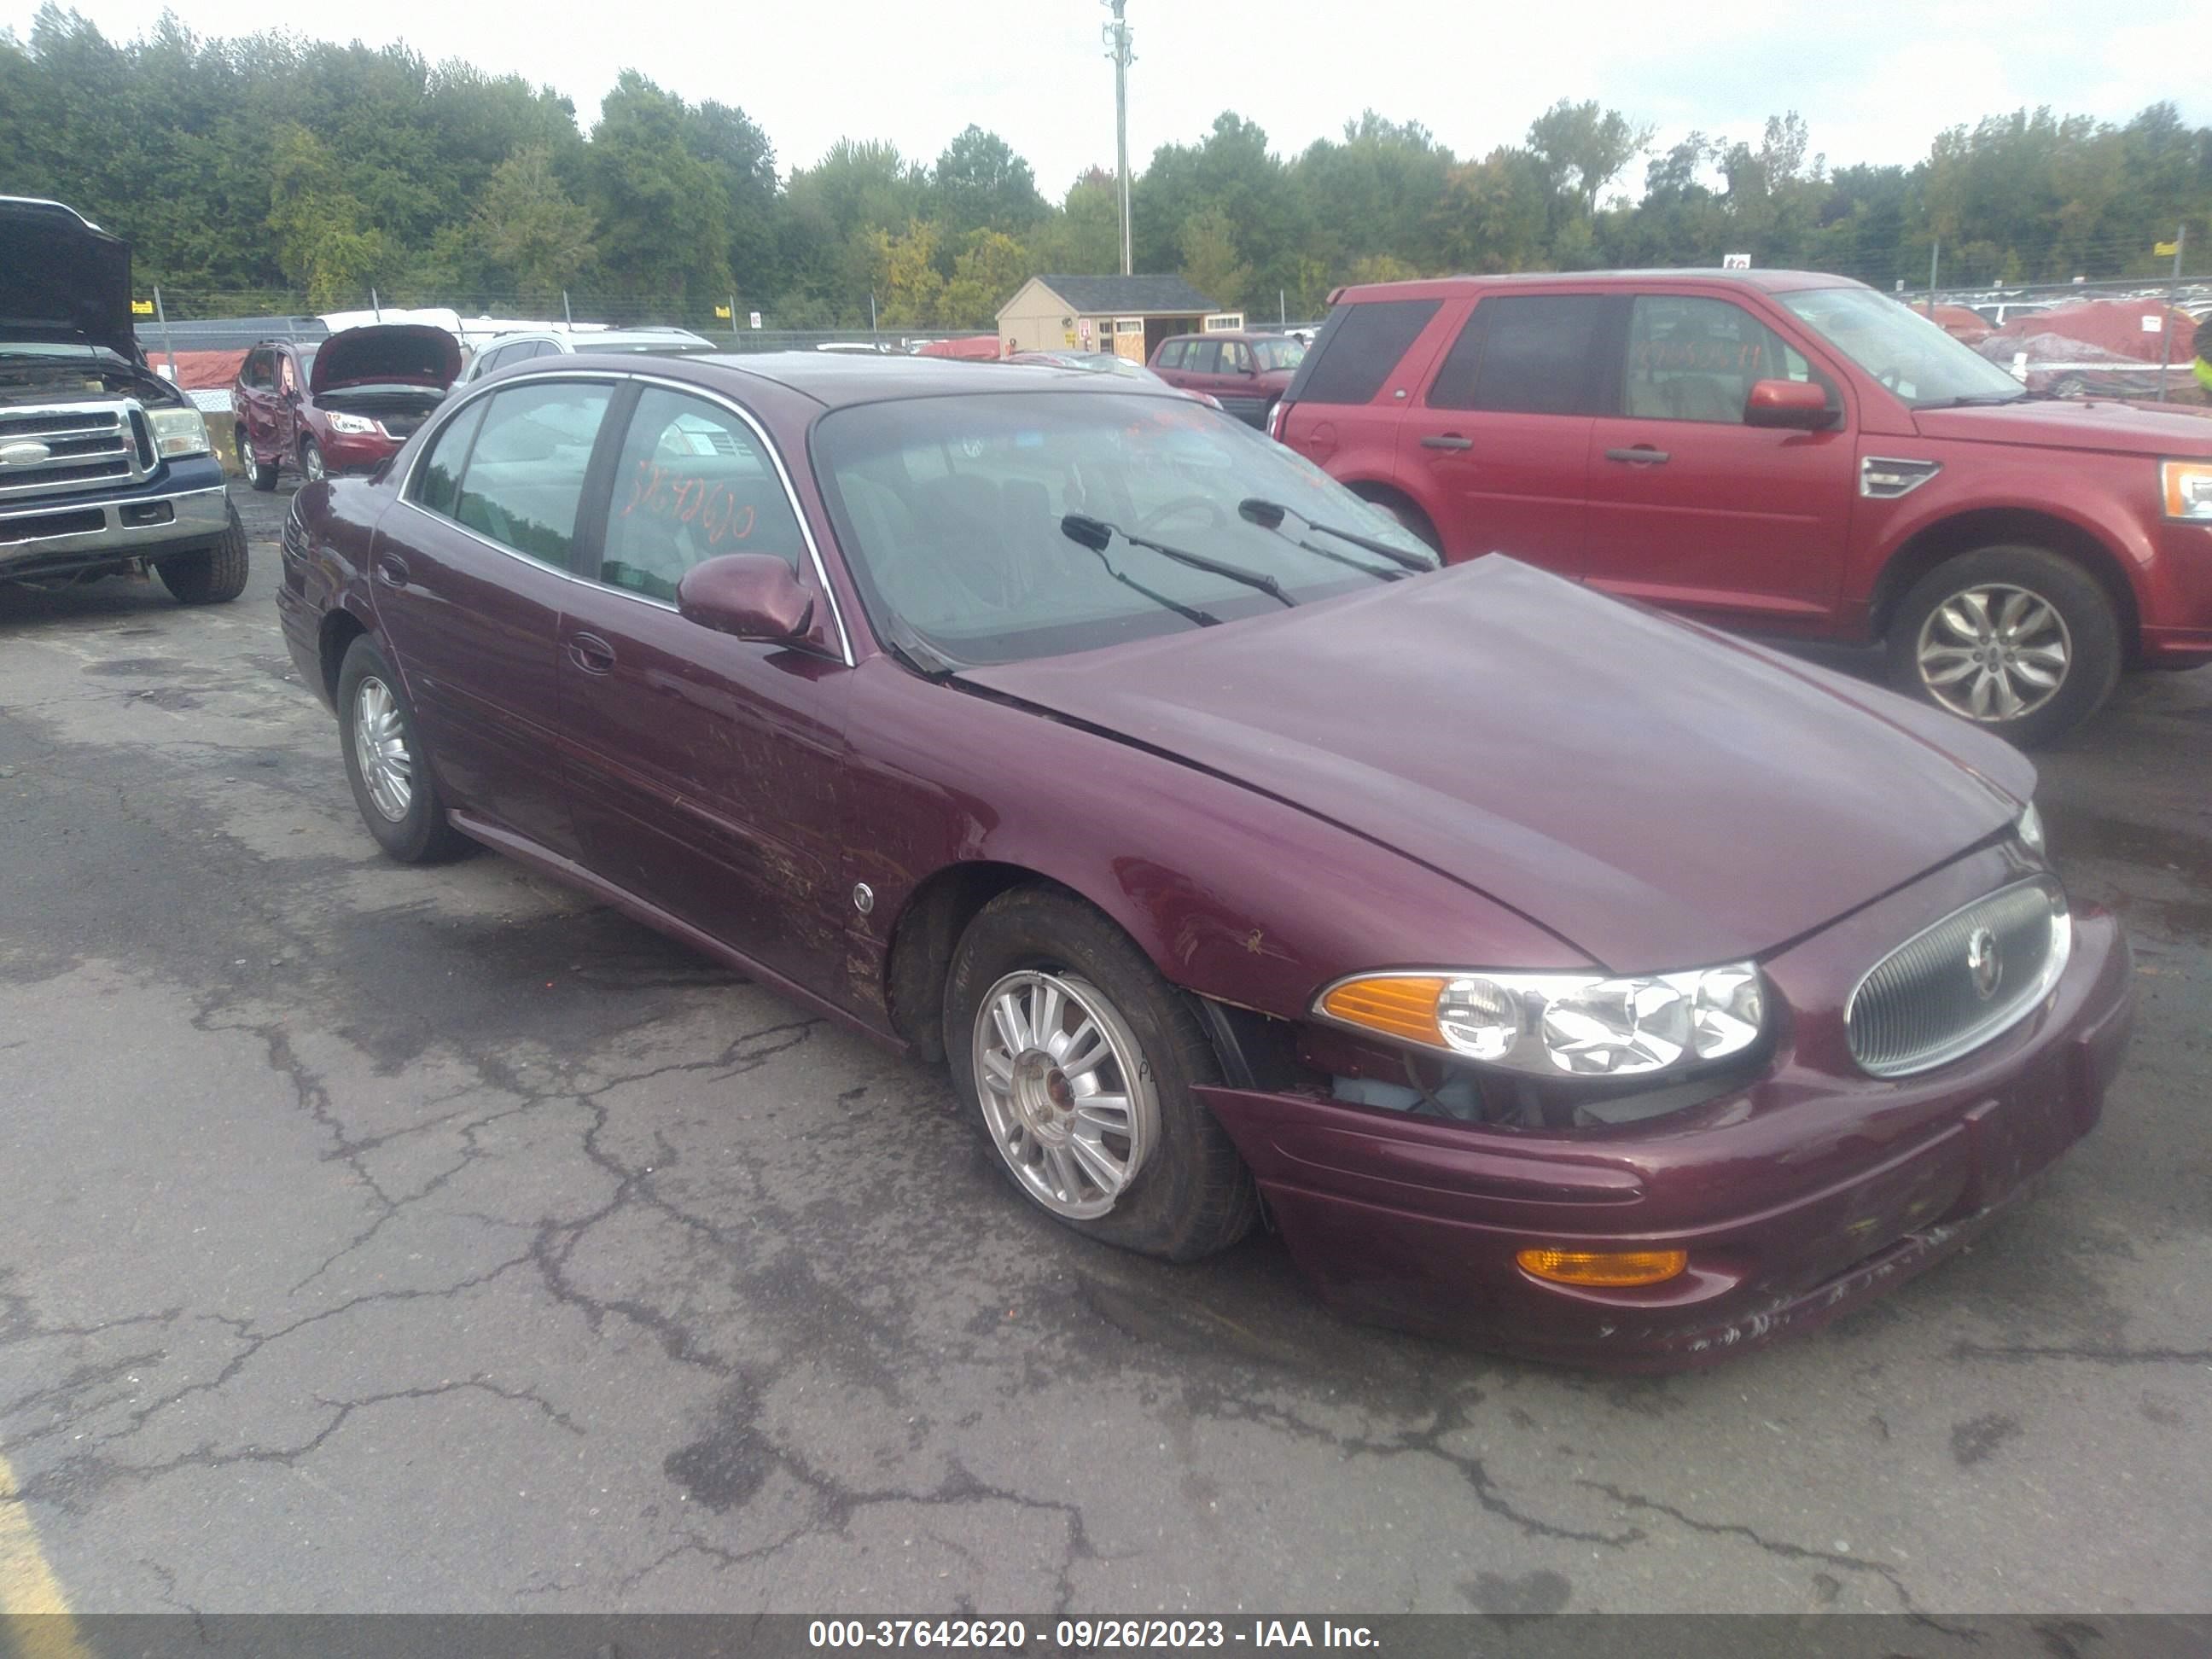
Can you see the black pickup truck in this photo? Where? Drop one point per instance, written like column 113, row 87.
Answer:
column 105, row 467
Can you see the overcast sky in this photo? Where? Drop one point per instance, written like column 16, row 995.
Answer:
column 1874, row 83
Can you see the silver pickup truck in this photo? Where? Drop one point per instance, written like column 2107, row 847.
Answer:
column 105, row 467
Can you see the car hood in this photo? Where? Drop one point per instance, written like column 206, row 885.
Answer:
column 1658, row 796
column 64, row 279
column 387, row 353
column 2068, row 423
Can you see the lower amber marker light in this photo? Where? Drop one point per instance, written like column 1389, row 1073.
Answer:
column 1607, row 1269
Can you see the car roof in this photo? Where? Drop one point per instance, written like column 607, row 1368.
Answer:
column 1436, row 287
column 1228, row 334
column 837, row 379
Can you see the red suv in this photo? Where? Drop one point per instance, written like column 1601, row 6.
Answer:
column 344, row 404
column 1784, row 453
column 1245, row 374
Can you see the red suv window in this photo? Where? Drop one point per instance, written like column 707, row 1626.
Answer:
column 1534, row 354
column 1359, row 348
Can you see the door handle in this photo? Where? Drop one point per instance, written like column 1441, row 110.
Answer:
column 392, row 572
column 1447, row 440
column 1642, row 455
column 591, row 653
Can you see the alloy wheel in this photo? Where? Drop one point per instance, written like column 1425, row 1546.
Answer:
column 380, row 747
column 311, row 461
column 1993, row 652
column 1066, row 1094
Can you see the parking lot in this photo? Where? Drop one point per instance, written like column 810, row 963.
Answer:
column 380, row 1238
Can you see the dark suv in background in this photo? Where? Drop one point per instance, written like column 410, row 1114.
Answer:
column 1784, row 453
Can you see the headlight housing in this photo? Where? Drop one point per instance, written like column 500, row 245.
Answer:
column 2187, row 488
column 178, row 432
column 351, row 423
column 1558, row 1025
column 2030, row 830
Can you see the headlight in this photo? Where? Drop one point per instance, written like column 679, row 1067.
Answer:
column 178, row 431
column 1555, row 1024
column 351, row 423
column 2187, row 487
column 2030, row 830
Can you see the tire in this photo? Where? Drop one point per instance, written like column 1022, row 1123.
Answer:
column 1185, row 1192
column 311, row 461
column 213, row 575
column 412, row 829
column 1939, row 625
column 1411, row 519
column 260, row 474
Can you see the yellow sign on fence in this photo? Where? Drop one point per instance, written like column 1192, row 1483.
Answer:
column 142, row 308
column 722, row 313
column 2165, row 249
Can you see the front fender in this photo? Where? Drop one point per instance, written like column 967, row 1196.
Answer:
column 1232, row 895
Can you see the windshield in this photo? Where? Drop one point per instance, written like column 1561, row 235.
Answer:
column 1899, row 347
column 1278, row 354
column 950, row 510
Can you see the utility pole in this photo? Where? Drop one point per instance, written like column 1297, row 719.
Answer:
column 1117, row 37
column 1935, row 250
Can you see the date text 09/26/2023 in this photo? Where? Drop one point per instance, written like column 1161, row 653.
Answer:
column 1086, row 1634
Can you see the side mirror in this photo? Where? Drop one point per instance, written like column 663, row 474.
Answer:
column 1797, row 403
column 752, row 596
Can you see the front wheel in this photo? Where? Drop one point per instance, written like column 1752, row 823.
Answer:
column 213, row 575
column 2017, row 639
column 311, row 460
column 1079, row 1061
column 386, row 763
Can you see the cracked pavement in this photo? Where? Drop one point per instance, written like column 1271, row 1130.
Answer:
column 384, row 1239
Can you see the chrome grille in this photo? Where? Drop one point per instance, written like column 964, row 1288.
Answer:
column 1954, row 985
column 84, row 445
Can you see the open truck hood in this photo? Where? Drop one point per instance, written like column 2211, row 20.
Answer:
column 1660, row 797
column 387, row 353
column 63, row 278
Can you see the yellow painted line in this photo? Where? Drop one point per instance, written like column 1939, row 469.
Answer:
column 35, row 1622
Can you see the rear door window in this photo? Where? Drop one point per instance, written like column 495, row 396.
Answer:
column 1532, row 353
column 692, row 484
column 524, row 478
column 1359, row 348
column 1171, row 354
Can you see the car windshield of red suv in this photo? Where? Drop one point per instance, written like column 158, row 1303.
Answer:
column 971, row 521
column 1902, row 348
column 1278, row 354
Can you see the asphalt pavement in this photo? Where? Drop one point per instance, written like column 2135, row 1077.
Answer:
column 387, row 1239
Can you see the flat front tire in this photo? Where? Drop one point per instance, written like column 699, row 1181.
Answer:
column 1078, row 1061
column 2021, row 641
column 211, row 575
column 386, row 763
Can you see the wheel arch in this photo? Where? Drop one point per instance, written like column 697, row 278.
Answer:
column 1964, row 532
column 926, row 931
column 1387, row 495
column 339, row 628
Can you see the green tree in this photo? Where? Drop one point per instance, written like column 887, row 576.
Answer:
column 978, row 182
column 529, row 228
column 324, row 239
column 662, row 211
column 1210, row 263
column 902, row 272
column 990, row 268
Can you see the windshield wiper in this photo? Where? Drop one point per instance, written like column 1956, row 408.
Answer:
column 1203, row 618
column 1269, row 515
column 1094, row 533
column 1978, row 399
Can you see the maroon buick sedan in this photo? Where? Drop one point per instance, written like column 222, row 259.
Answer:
column 1543, row 968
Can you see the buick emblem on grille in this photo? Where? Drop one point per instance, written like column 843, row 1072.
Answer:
column 1983, row 962
column 28, row 453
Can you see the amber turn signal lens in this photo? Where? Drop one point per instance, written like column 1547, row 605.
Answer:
column 1395, row 1006
column 1607, row 1269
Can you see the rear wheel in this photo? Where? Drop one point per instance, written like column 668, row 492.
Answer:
column 386, row 763
column 261, row 474
column 1415, row 521
column 211, row 575
column 1079, row 1061
column 2017, row 639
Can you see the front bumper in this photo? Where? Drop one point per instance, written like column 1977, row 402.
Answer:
column 348, row 454
column 187, row 507
column 1797, row 1198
